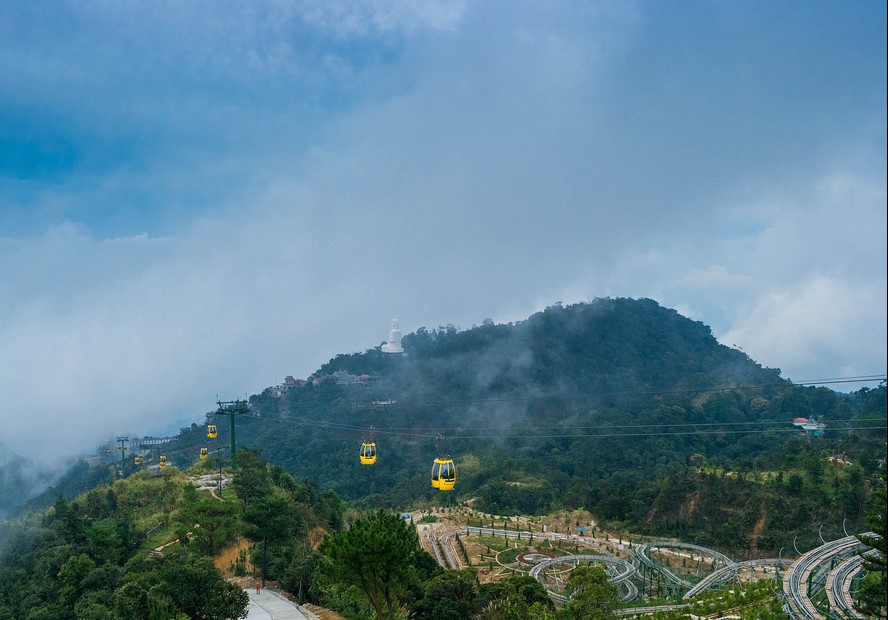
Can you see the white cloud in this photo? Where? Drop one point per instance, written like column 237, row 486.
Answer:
column 714, row 277
column 820, row 326
column 467, row 171
column 142, row 331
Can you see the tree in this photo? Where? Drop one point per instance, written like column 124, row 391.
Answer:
column 453, row 595
column 211, row 523
column 252, row 478
column 502, row 609
column 269, row 520
column 196, row 587
column 73, row 574
column 531, row 590
column 513, row 598
column 131, row 600
column 377, row 555
column 592, row 595
column 297, row 576
column 872, row 590
column 110, row 540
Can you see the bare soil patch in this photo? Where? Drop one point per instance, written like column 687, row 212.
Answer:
column 322, row 613
column 225, row 560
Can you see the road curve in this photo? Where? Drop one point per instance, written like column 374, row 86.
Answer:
column 272, row 606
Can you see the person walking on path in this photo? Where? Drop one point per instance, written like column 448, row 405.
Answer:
column 258, row 588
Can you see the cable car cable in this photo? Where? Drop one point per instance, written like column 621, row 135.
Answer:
column 651, row 392
column 653, row 433
column 341, row 426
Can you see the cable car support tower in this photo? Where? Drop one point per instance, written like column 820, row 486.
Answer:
column 121, row 447
column 232, row 409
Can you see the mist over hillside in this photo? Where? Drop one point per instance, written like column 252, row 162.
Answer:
column 609, row 345
column 20, row 479
column 619, row 406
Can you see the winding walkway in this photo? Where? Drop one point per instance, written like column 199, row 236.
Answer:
column 272, row 606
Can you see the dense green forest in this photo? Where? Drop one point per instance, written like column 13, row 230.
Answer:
column 89, row 558
column 619, row 406
column 144, row 547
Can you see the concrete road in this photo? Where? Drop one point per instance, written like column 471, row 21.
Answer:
column 272, row 606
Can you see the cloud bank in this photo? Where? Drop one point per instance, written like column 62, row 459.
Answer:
column 197, row 202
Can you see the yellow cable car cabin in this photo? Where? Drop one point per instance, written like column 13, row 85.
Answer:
column 204, row 453
column 211, row 431
column 368, row 453
column 138, row 459
column 163, row 461
column 443, row 474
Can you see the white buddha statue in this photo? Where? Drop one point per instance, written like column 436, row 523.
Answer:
column 394, row 342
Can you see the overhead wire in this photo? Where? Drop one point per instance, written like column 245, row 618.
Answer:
column 342, row 426
column 504, row 432
column 650, row 392
column 656, row 429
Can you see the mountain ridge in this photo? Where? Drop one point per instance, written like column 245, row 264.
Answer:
column 619, row 406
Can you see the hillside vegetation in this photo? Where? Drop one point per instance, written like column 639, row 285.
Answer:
column 618, row 406
column 143, row 548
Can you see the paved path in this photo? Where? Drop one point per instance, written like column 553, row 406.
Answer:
column 272, row 606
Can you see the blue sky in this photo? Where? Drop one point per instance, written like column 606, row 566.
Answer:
column 197, row 199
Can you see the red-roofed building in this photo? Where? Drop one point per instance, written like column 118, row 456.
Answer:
column 809, row 426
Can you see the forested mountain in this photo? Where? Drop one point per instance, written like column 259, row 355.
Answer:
column 619, row 406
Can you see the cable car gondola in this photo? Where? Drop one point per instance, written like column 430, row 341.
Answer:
column 368, row 453
column 211, row 431
column 443, row 469
column 443, row 474
column 204, row 453
column 368, row 448
column 163, row 460
column 138, row 459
